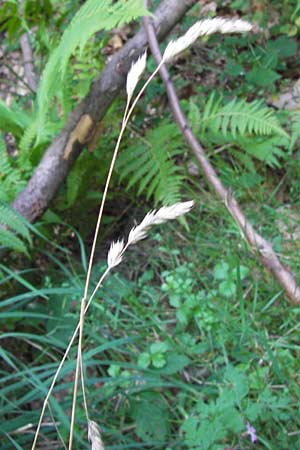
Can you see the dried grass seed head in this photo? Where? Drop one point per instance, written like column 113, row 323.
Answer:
column 157, row 217
column 135, row 74
column 202, row 28
column 94, row 436
column 115, row 253
column 140, row 231
column 172, row 212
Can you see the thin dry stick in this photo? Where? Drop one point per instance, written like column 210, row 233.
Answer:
column 266, row 253
column 28, row 62
column 28, row 58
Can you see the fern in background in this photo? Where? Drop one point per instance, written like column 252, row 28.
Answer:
column 93, row 16
column 251, row 128
column 11, row 180
column 150, row 164
column 239, row 117
column 14, row 230
column 13, row 119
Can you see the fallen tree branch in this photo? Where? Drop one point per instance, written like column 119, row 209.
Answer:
column 260, row 245
column 83, row 123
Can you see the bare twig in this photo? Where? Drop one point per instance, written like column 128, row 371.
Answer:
column 260, row 245
column 28, row 62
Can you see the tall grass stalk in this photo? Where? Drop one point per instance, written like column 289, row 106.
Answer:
column 118, row 249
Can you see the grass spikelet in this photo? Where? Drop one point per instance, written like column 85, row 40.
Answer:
column 115, row 254
column 202, row 28
column 157, row 217
column 94, row 436
column 134, row 74
column 172, row 212
column 140, row 231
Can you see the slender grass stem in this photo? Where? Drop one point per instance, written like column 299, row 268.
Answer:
column 104, row 275
column 84, row 307
column 91, row 260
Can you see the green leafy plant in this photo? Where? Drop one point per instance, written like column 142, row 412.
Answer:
column 215, row 421
column 227, row 419
column 12, row 178
column 192, row 305
column 151, row 415
column 13, row 119
column 156, row 356
column 228, row 278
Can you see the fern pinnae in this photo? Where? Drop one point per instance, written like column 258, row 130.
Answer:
column 146, row 180
column 12, row 242
column 151, row 164
column 239, row 116
column 13, row 221
column 139, row 171
column 135, row 167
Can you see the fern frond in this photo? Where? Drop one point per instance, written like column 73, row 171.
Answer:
column 27, row 140
column 240, row 118
column 14, row 221
column 11, row 225
column 151, row 166
column 12, row 242
column 93, row 16
column 295, row 129
column 12, row 119
column 11, row 181
column 5, row 166
column 251, row 126
column 266, row 149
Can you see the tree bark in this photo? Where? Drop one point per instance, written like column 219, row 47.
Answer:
column 82, row 126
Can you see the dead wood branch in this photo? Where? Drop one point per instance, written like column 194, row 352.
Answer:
column 28, row 62
column 258, row 244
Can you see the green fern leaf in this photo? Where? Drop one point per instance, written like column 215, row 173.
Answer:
column 11, row 181
column 266, row 149
column 93, row 16
column 12, row 119
column 240, row 118
column 151, row 166
column 14, row 221
column 12, row 242
column 27, row 140
column 253, row 127
column 295, row 129
column 11, row 225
